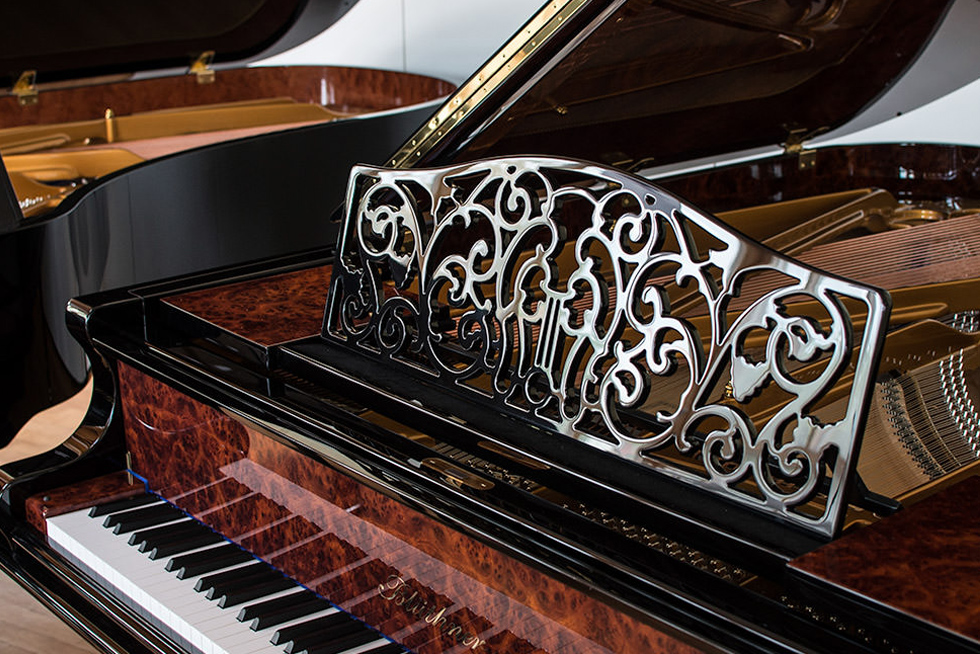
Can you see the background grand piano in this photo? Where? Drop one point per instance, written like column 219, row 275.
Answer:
column 542, row 524
column 130, row 164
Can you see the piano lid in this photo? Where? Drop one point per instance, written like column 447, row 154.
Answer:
column 63, row 40
column 635, row 83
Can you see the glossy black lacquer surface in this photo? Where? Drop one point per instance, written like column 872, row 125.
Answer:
column 63, row 40
column 216, row 206
column 637, row 84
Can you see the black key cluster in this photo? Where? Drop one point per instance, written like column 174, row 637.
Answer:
column 236, row 580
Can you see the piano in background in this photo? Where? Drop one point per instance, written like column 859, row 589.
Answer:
column 132, row 157
column 519, row 406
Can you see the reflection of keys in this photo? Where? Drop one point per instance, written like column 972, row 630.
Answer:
column 159, row 557
column 36, row 197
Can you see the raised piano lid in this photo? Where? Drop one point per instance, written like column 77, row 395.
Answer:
column 640, row 85
column 66, row 42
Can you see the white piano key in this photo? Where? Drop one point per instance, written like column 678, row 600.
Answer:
column 170, row 603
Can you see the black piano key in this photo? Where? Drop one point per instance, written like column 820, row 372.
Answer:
column 230, row 577
column 290, row 633
column 388, row 648
column 139, row 539
column 122, row 505
column 321, row 637
column 209, row 560
column 262, row 574
column 264, row 607
column 203, row 538
column 339, row 645
column 282, row 609
column 242, row 595
column 130, row 521
column 158, row 508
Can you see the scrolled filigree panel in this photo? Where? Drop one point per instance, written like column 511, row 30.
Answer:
column 596, row 305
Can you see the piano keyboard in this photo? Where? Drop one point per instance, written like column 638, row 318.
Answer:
column 206, row 594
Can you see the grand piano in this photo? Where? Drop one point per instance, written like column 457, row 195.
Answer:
column 110, row 113
column 532, row 399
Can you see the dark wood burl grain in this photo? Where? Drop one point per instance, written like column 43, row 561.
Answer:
column 280, row 535
column 211, row 495
column 922, row 562
column 413, row 577
column 176, row 443
column 550, row 615
column 268, row 311
column 353, row 90
column 245, row 517
column 116, row 486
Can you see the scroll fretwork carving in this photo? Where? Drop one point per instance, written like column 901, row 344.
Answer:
column 596, row 305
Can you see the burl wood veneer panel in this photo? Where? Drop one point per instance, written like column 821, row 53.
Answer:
column 163, row 436
column 281, row 307
column 923, row 561
column 417, row 580
column 116, row 486
column 339, row 88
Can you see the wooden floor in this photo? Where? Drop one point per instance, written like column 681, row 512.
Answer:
column 26, row 627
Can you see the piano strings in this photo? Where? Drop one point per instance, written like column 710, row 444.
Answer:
column 929, row 259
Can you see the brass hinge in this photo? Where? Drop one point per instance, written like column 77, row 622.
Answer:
column 25, row 88
column 794, row 144
column 201, row 68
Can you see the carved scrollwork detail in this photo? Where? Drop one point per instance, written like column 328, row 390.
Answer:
column 597, row 305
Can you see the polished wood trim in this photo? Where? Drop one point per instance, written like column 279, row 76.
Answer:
column 347, row 90
column 946, row 174
column 66, row 499
column 277, row 308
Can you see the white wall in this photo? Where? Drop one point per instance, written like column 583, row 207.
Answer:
column 937, row 100
column 954, row 118
column 448, row 39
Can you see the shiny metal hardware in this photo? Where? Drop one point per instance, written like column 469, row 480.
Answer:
column 25, row 88
column 543, row 286
column 110, row 126
column 201, row 68
column 514, row 455
column 806, row 158
column 507, row 61
column 456, row 476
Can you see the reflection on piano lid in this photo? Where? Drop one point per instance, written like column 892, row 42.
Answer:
column 532, row 404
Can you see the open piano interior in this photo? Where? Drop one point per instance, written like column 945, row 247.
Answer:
column 536, row 404
column 95, row 99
